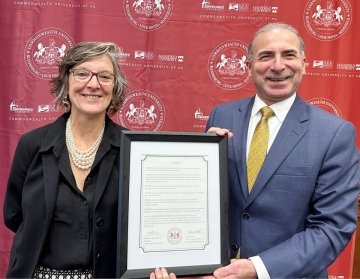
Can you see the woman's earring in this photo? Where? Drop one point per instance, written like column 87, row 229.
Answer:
column 66, row 104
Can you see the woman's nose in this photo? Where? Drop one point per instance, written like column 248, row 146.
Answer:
column 93, row 81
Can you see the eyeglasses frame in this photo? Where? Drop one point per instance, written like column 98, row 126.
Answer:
column 92, row 74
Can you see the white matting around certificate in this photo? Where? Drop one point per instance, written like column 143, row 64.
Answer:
column 164, row 237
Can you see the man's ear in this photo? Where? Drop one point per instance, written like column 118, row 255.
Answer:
column 248, row 66
column 304, row 65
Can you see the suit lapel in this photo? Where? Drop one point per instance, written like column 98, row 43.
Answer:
column 240, row 124
column 292, row 130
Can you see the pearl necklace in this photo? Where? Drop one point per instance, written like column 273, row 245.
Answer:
column 82, row 159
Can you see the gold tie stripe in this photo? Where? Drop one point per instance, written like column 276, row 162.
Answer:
column 258, row 146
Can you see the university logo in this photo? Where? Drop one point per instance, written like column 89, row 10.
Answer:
column 43, row 108
column 44, row 49
column 326, row 105
column 327, row 20
column 148, row 15
column 205, row 4
column 198, row 114
column 227, row 65
column 142, row 111
column 323, row 64
column 14, row 107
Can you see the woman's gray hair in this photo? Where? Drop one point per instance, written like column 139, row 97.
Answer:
column 83, row 52
column 271, row 26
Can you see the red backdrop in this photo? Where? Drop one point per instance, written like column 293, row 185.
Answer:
column 181, row 57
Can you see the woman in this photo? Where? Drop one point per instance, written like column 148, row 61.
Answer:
column 62, row 192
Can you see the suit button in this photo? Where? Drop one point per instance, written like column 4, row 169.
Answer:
column 98, row 255
column 100, row 222
column 234, row 247
column 246, row 216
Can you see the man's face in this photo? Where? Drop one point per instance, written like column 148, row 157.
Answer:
column 277, row 65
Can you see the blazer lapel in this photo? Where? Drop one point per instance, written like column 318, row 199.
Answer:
column 106, row 167
column 292, row 130
column 240, row 124
column 108, row 155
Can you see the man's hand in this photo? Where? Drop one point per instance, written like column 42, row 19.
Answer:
column 220, row 132
column 237, row 269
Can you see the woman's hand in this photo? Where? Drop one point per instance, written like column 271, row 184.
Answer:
column 161, row 273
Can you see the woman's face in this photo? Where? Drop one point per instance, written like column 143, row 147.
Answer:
column 89, row 97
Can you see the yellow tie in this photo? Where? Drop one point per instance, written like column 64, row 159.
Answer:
column 258, row 146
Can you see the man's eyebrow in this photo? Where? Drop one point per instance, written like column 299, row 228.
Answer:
column 285, row 52
column 290, row 51
column 265, row 52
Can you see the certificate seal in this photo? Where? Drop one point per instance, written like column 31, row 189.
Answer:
column 174, row 235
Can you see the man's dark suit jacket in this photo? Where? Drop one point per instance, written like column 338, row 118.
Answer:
column 302, row 210
column 31, row 195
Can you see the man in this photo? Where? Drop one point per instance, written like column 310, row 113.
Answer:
column 294, row 218
column 302, row 208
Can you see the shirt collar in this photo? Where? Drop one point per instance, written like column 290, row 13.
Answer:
column 55, row 136
column 280, row 108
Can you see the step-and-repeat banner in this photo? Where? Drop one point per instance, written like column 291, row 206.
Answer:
column 181, row 58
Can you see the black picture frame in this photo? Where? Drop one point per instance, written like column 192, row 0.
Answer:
column 133, row 261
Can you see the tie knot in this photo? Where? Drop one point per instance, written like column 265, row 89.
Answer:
column 267, row 112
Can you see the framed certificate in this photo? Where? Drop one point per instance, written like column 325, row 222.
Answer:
column 173, row 203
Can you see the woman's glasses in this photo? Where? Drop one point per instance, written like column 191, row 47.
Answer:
column 82, row 75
